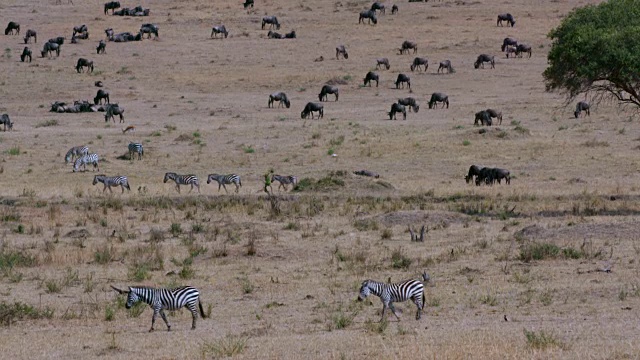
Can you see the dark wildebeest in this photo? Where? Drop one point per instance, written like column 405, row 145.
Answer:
column 98, row 83
column 82, row 63
column 446, row 64
column 81, row 36
column 483, row 176
column 11, row 27
column 483, row 117
column 408, row 45
column 483, row 58
column 508, row 41
column 272, row 21
column 420, row 61
column 281, row 98
column 102, row 94
column 371, row 76
column 109, row 33
column 149, row 29
column 290, row 35
column 438, row 97
column 394, row 9
column 49, row 47
column 491, row 175
column 80, row 29
column 510, row 49
column 111, row 110
column 397, row 108
column 474, row 170
column 506, row 17
column 326, row 90
column 378, row 6
column 402, row 78
column 102, row 47
column 495, row 114
column 26, row 53
column 274, row 35
column 30, row 34
column 367, row 173
column 523, row 48
column 58, row 40
column 248, row 3
column 382, row 62
column 368, row 14
column 310, row 108
column 411, row 103
column 4, row 120
column 112, row 5
column 341, row 50
column 220, row 29
column 580, row 107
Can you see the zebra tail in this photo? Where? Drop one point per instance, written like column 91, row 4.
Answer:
column 423, row 300
column 201, row 310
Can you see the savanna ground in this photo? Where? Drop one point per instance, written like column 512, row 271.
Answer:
column 280, row 277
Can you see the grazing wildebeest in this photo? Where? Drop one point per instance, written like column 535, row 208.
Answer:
column 109, row 33
column 483, row 176
column 4, row 120
column 310, row 108
column 510, row 50
column 408, row 45
column 58, row 40
column 290, row 35
column 483, row 58
column 506, row 17
column 368, row 14
column 508, row 41
column 411, row 103
column 274, row 35
column 402, row 78
column 382, row 62
column 102, row 94
column 341, row 50
column 328, row 89
column 30, row 34
column 281, row 98
column 495, row 114
column 483, row 117
column 438, row 97
column 523, row 48
column 371, row 76
column 497, row 174
column 49, row 47
column 26, row 53
column 272, row 21
column 149, row 29
column 82, row 63
column 220, row 29
column 111, row 5
column 474, row 170
column 580, row 107
column 397, row 108
column 98, row 83
column 80, row 29
column 420, row 61
column 378, row 6
column 81, row 36
column 11, row 27
column 248, row 3
column 112, row 110
column 446, row 64
column 102, row 47
column 367, row 173
column 394, row 9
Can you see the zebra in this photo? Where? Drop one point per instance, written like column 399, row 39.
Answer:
column 284, row 180
column 110, row 181
column 183, row 180
column 76, row 151
column 136, row 148
column 390, row 293
column 225, row 179
column 170, row 299
column 84, row 160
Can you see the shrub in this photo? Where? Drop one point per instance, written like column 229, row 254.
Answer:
column 399, row 260
column 541, row 340
column 538, row 251
column 226, row 347
column 9, row 313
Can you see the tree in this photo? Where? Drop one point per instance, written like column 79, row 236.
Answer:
column 596, row 49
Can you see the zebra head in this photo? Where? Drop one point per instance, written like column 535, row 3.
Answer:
column 132, row 297
column 364, row 290
column 169, row 176
column 211, row 177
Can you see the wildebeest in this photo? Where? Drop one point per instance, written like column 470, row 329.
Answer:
column 220, row 29
column 369, row 15
column 402, row 78
column 411, row 103
column 580, row 107
column 11, row 27
column 80, row 36
column 26, row 53
column 109, row 33
column 310, row 108
column 111, row 5
column 49, row 47
column 420, row 61
column 408, row 45
column 274, row 35
column 82, row 63
column 290, row 35
column 149, row 29
column 112, row 110
column 248, row 3
column 371, row 76
column 523, row 48
column 326, row 90
column 491, row 175
column 446, row 64
column 438, row 97
column 367, row 173
column 281, row 98
column 272, row 21
column 4, row 120
column 57, row 40
column 397, row 108
column 495, row 114
column 508, row 41
column 382, row 62
column 98, row 83
column 341, row 50
column 483, row 117
column 474, row 170
column 100, row 95
column 510, row 49
column 506, row 17
column 378, row 6
column 80, row 29
column 30, row 34
column 102, row 47
column 483, row 58
column 394, row 9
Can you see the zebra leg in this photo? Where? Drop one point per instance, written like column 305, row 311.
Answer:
column 237, row 188
column 104, row 188
column 225, row 188
column 178, row 187
column 393, row 310
column 164, row 317
column 194, row 315
column 384, row 308
column 153, row 319
column 110, row 190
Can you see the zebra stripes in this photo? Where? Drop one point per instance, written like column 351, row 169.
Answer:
column 182, row 180
column 225, row 179
column 110, row 181
column 390, row 293
column 84, row 160
column 170, row 299
column 284, row 180
column 76, row 151
column 136, row 148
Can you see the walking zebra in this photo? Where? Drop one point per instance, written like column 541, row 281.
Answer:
column 182, row 180
column 390, row 293
column 84, row 160
column 135, row 148
column 170, row 299
column 76, row 151
column 225, row 179
column 284, row 180
column 110, row 181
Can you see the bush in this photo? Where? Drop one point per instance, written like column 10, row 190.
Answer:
column 399, row 260
column 538, row 251
column 541, row 340
column 10, row 313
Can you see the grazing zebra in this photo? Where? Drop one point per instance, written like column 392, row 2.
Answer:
column 225, row 179
column 284, row 180
column 84, row 160
column 170, row 299
column 135, row 148
column 76, row 151
column 183, row 180
column 110, row 181
column 390, row 293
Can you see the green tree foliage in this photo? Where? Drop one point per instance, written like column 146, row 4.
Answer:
column 596, row 49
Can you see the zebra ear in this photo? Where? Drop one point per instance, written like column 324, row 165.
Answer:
column 118, row 290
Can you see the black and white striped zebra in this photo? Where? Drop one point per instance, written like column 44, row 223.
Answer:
column 183, row 180
column 84, row 160
column 170, row 299
column 75, row 152
column 284, row 180
column 390, row 293
column 225, row 179
column 136, row 148
column 110, row 181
